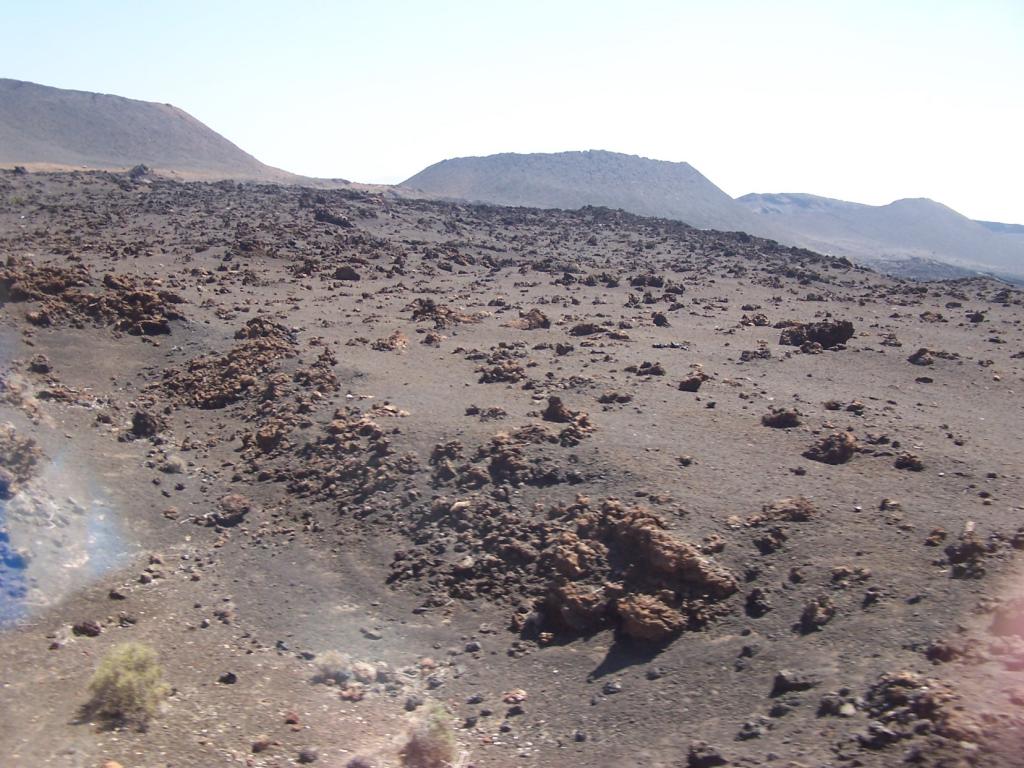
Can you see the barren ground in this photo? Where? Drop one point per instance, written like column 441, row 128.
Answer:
column 248, row 425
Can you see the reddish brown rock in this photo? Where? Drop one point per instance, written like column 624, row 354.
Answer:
column 837, row 448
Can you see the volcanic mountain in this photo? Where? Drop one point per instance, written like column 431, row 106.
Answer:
column 915, row 237
column 575, row 179
column 903, row 230
column 54, row 127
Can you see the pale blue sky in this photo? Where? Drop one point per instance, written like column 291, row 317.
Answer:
column 862, row 100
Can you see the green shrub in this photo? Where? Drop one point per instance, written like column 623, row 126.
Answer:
column 431, row 742
column 128, row 685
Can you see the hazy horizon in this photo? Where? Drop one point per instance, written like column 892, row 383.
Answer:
column 867, row 102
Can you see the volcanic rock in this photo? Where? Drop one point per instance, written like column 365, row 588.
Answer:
column 827, row 333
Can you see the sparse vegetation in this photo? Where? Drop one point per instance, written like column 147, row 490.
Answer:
column 127, row 686
column 431, row 742
column 345, row 571
column 333, row 667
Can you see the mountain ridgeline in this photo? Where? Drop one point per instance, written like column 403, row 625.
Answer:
column 904, row 231
column 54, row 127
column 48, row 128
column 574, row 179
column 918, row 237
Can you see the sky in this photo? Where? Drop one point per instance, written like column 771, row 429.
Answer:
column 861, row 100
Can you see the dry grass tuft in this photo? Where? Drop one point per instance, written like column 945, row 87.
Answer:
column 127, row 686
column 431, row 742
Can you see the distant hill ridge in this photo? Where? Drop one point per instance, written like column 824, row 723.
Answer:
column 595, row 177
column 912, row 228
column 54, row 126
column 906, row 236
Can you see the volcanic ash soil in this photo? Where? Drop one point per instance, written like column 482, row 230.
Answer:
column 607, row 490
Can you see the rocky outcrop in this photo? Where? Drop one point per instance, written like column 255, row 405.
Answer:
column 827, row 333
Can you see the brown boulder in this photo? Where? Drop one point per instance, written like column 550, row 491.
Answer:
column 795, row 510
column 693, row 382
column 269, row 436
column 580, row 607
column 345, row 272
column 233, row 509
column 531, row 321
column 827, row 333
column 557, row 412
column 145, row 424
column 921, row 357
column 781, row 418
column 837, row 448
column 585, row 329
column 645, row 617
